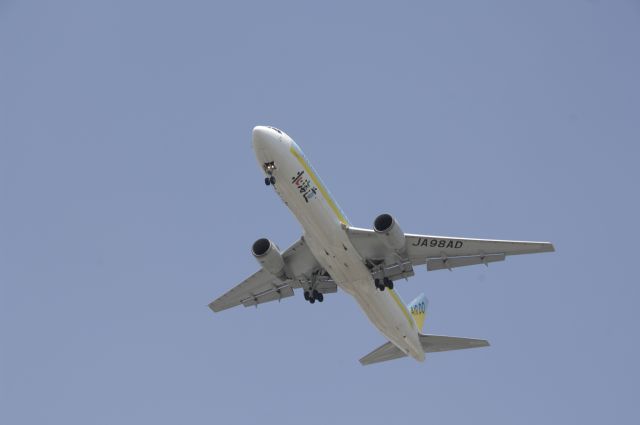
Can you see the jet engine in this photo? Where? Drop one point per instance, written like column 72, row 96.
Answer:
column 390, row 232
column 269, row 256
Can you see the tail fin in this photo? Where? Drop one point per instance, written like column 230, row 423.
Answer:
column 418, row 309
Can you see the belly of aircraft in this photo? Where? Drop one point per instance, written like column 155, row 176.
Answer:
column 333, row 250
column 382, row 308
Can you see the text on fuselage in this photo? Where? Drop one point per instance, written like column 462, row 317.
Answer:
column 304, row 185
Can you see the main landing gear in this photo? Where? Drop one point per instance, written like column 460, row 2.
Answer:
column 384, row 283
column 313, row 296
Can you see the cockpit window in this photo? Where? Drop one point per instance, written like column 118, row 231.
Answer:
column 273, row 128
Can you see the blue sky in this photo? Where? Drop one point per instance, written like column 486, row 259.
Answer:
column 129, row 199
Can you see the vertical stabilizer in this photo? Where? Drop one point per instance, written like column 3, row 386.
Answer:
column 418, row 309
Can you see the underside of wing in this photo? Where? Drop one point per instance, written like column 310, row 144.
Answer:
column 262, row 286
column 437, row 252
column 444, row 252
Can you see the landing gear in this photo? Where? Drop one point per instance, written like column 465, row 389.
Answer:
column 269, row 168
column 379, row 285
column 318, row 296
column 385, row 283
column 313, row 296
column 388, row 283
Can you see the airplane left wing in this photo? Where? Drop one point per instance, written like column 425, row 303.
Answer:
column 443, row 252
column 437, row 252
column 262, row 286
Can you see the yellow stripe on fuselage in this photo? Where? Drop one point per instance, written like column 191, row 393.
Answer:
column 343, row 220
column 398, row 301
column 319, row 185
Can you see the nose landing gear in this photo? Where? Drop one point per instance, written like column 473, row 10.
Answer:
column 269, row 168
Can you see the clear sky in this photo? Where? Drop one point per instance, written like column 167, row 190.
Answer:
column 130, row 197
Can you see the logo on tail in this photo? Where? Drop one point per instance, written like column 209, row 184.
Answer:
column 418, row 309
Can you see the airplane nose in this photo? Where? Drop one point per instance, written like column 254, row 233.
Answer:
column 267, row 138
column 260, row 131
column 262, row 136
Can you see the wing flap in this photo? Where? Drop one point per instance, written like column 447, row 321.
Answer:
column 278, row 293
column 258, row 283
column 450, row 263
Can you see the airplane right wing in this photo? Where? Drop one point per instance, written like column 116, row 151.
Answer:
column 262, row 286
column 258, row 288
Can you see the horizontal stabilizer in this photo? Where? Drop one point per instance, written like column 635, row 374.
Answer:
column 437, row 343
column 430, row 344
column 383, row 353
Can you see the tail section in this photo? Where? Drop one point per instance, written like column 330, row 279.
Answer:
column 430, row 344
column 418, row 309
column 385, row 352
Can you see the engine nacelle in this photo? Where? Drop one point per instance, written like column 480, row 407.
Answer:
column 390, row 232
column 269, row 256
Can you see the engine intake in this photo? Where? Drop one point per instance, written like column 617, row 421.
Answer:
column 269, row 256
column 390, row 232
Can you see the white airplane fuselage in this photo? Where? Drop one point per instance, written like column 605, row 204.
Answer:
column 324, row 226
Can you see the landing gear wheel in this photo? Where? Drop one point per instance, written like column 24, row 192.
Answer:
column 267, row 181
column 316, row 294
column 306, row 295
column 378, row 285
column 272, row 180
column 388, row 283
column 320, row 297
column 312, row 300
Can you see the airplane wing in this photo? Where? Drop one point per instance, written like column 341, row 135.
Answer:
column 437, row 252
column 262, row 286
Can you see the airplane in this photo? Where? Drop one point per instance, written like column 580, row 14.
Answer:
column 364, row 263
